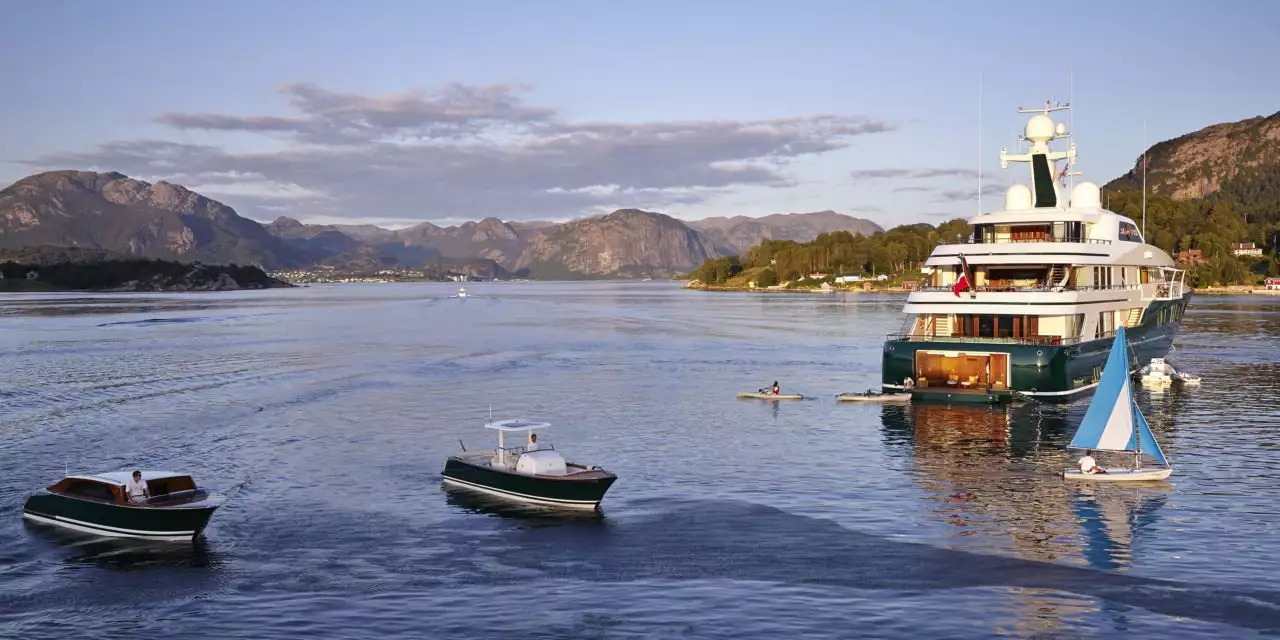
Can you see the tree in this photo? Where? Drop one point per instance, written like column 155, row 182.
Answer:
column 767, row 278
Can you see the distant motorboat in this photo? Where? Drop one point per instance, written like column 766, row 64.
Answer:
column 462, row 292
column 1113, row 422
column 1157, row 372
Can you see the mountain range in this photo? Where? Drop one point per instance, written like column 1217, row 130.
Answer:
column 113, row 212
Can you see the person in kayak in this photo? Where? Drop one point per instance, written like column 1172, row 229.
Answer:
column 773, row 390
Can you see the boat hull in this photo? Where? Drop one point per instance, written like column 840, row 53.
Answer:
column 949, row 395
column 1120, row 474
column 1043, row 371
column 770, row 396
column 584, row 492
column 165, row 523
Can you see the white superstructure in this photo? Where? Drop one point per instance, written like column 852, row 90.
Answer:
column 1048, row 269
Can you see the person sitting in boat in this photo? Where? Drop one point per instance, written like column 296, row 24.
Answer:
column 775, row 389
column 136, row 489
column 1089, row 465
column 908, row 383
column 533, row 443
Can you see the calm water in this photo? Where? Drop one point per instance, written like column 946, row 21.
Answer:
column 325, row 415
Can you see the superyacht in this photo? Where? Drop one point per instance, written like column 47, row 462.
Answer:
column 1031, row 300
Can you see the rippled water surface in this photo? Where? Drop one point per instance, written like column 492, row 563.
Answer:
column 325, row 415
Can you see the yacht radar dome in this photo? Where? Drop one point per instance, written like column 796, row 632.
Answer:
column 1086, row 195
column 1040, row 129
column 1017, row 198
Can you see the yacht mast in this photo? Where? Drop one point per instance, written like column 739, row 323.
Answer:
column 1144, row 180
column 979, row 143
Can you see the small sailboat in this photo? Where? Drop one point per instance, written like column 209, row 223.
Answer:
column 1114, row 422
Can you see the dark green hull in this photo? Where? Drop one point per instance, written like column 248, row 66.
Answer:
column 1061, row 371
column 183, row 521
column 585, row 491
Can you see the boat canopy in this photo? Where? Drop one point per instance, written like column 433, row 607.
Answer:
column 518, row 424
column 1113, row 421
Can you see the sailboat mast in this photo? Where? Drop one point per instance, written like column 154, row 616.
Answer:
column 1137, row 437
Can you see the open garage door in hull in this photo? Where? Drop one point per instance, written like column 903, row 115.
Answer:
column 962, row 370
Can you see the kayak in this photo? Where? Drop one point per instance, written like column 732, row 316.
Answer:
column 770, row 396
column 874, row 397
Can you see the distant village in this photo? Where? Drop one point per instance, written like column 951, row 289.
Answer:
column 326, row 274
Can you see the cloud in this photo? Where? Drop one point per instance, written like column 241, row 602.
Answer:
column 911, row 174
column 912, row 188
column 460, row 151
column 964, row 195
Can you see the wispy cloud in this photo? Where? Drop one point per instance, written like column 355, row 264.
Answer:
column 963, row 195
column 461, row 151
column 911, row 174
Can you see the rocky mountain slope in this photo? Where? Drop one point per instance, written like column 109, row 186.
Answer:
column 113, row 212
column 1196, row 165
column 627, row 243
column 733, row 236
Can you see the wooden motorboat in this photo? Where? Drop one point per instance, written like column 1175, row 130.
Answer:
column 871, row 395
column 529, row 473
column 1114, row 422
column 764, row 395
column 178, row 510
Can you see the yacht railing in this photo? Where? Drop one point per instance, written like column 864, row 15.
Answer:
column 1034, row 289
column 1025, row 340
column 1046, row 239
column 1035, row 341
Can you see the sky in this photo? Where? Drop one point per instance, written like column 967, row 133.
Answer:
column 402, row 111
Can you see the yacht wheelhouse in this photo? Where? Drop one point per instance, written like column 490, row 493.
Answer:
column 1030, row 301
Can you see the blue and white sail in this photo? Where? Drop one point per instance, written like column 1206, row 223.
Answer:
column 1113, row 421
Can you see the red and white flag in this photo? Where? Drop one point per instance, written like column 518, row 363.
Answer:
column 965, row 283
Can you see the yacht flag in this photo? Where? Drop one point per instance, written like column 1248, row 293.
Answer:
column 965, row 283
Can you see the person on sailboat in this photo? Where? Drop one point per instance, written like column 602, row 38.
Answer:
column 1089, row 465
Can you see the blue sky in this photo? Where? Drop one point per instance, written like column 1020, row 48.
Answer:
column 399, row 111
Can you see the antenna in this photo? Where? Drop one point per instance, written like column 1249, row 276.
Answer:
column 1071, row 119
column 1144, row 179
column 979, row 142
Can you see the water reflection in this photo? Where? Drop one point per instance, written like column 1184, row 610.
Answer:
column 993, row 476
column 123, row 554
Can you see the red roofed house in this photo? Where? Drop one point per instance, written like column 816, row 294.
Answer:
column 1190, row 257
